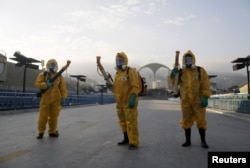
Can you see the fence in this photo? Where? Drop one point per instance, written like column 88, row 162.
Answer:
column 230, row 102
column 10, row 99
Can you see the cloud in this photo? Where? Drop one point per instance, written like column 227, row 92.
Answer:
column 132, row 2
column 104, row 17
column 179, row 20
column 80, row 30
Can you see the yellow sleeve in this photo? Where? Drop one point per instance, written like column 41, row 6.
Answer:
column 134, row 81
column 40, row 82
column 205, row 83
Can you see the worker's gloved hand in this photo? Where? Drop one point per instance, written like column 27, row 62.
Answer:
column 173, row 72
column 109, row 86
column 49, row 84
column 204, row 101
column 132, row 100
column 62, row 101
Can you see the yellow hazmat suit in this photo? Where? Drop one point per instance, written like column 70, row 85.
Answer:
column 194, row 87
column 50, row 103
column 125, row 84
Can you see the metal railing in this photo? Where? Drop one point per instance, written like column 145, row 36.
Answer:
column 230, row 102
column 11, row 99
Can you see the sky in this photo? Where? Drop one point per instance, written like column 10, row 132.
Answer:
column 148, row 31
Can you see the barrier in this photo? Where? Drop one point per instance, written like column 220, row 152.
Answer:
column 10, row 99
column 230, row 102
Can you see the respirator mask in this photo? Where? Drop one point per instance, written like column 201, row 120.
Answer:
column 188, row 61
column 120, row 64
column 52, row 67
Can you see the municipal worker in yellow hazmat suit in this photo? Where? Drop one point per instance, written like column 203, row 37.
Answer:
column 126, row 89
column 194, row 93
column 52, row 100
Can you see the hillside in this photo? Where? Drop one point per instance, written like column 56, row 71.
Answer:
column 15, row 77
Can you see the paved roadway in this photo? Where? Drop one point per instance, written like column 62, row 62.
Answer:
column 88, row 137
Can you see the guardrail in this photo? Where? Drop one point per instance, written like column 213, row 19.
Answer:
column 230, row 102
column 19, row 100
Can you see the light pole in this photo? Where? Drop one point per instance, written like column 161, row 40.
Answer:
column 26, row 62
column 240, row 63
column 78, row 77
column 102, row 90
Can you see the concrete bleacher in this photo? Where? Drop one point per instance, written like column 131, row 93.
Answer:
column 15, row 74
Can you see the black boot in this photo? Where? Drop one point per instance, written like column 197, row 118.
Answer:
column 125, row 140
column 203, row 140
column 54, row 135
column 40, row 136
column 132, row 147
column 188, row 138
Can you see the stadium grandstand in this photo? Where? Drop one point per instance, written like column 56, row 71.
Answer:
column 13, row 95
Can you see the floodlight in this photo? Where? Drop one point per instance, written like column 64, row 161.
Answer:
column 238, row 67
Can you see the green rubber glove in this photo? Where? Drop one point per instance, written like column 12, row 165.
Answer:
column 49, row 84
column 204, row 101
column 173, row 72
column 62, row 101
column 109, row 86
column 132, row 100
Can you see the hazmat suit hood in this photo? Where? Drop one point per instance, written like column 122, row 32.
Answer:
column 52, row 65
column 124, row 57
column 189, row 53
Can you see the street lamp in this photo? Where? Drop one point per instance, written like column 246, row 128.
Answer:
column 102, row 90
column 78, row 78
column 26, row 62
column 212, row 76
column 241, row 63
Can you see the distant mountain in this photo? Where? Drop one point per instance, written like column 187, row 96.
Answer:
column 223, row 80
column 227, row 80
